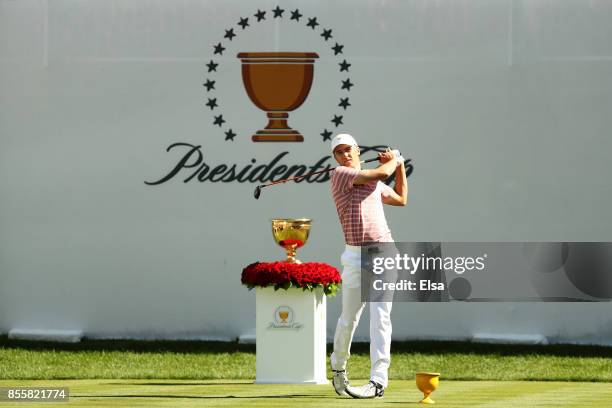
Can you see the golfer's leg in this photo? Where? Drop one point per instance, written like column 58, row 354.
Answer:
column 380, row 341
column 352, row 307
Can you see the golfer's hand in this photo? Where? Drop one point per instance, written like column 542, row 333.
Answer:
column 398, row 156
column 386, row 156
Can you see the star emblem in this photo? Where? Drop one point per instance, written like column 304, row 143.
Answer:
column 337, row 120
column 344, row 102
column 209, row 85
column 347, row 84
column 326, row 135
column 312, row 22
column 212, row 103
column 219, row 120
column 337, row 49
column 212, row 66
column 295, row 15
column 278, row 12
column 261, row 15
column 327, row 34
column 344, row 66
column 244, row 23
column 229, row 34
column 219, row 49
column 229, row 135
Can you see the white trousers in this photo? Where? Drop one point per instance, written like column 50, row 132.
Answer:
column 352, row 307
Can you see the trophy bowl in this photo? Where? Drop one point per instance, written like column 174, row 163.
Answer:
column 277, row 83
column 291, row 233
column 427, row 383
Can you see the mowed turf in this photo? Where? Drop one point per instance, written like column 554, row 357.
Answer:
column 111, row 373
column 193, row 360
column 228, row 393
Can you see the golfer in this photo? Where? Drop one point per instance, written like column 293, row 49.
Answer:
column 359, row 196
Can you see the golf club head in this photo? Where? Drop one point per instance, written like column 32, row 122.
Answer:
column 257, row 192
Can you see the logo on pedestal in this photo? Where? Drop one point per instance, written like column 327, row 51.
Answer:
column 284, row 319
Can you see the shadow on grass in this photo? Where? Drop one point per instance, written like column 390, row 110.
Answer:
column 401, row 347
column 206, row 396
column 183, row 384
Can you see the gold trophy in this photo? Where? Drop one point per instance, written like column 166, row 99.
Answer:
column 427, row 383
column 277, row 83
column 291, row 234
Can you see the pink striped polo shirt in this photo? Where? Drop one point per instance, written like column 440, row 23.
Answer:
column 360, row 207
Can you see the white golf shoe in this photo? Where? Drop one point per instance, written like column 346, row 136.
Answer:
column 370, row 390
column 340, row 382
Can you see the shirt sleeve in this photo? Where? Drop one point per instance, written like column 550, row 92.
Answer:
column 385, row 190
column 343, row 177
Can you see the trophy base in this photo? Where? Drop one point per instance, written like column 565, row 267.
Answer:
column 285, row 135
column 277, row 130
column 427, row 400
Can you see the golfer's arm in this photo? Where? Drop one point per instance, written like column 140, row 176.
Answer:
column 382, row 172
column 401, row 185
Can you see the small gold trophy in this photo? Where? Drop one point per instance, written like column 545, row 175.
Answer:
column 291, row 234
column 427, row 383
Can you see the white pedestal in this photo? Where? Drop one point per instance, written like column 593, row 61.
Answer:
column 291, row 335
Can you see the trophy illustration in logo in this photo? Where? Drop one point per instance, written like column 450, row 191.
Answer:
column 277, row 83
column 283, row 316
column 291, row 234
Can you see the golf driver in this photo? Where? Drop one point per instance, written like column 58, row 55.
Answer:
column 257, row 191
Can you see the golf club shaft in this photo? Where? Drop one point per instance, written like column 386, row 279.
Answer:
column 309, row 174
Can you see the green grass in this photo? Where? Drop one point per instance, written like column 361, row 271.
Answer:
column 228, row 393
column 193, row 360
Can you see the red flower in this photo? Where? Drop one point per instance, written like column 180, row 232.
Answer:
column 284, row 275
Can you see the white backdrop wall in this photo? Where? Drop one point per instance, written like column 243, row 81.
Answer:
column 502, row 105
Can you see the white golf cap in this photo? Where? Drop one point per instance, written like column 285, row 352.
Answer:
column 343, row 138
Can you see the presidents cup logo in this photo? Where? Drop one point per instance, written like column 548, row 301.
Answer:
column 283, row 315
column 284, row 319
column 276, row 82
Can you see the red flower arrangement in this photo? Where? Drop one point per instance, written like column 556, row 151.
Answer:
column 284, row 275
